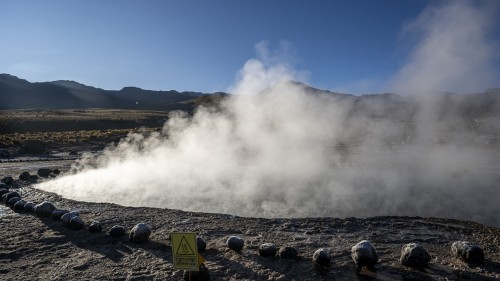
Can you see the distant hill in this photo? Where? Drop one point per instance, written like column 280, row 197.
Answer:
column 16, row 93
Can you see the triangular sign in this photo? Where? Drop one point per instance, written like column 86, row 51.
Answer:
column 184, row 248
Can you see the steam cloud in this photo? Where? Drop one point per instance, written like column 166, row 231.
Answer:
column 277, row 149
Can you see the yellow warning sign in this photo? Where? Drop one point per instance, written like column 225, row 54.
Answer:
column 184, row 250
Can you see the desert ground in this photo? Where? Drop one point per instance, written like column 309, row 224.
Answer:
column 34, row 248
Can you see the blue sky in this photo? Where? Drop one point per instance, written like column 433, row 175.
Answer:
column 350, row 46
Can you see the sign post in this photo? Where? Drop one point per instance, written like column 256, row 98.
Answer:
column 185, row 251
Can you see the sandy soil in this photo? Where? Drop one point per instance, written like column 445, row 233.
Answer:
column 33, row 248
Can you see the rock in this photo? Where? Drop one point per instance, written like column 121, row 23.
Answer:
column 56, row 171
column 201, row 244
column 235, row 243
column 467, row 251
column 363, row 254
column 44, row 173
column 33, row 147
column 66, row 218
column 6, row 197
column 12, row 201
column 287, row 252
column 322, row 257
column 25, row 176
column 414, row 255
column 4, row 154
column 76, row 223
column 44, row 209
column 267, row 250
column 3, row 186
column 57, row 214
column 140, row 233
column 201, row 275
column 33, row 177
column 3, row 191
column 117, row 231
column 29, row 207
column 19, row 205
column 95, row 226
column 8, row 180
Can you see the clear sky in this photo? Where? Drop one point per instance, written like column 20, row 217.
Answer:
column 354, row 46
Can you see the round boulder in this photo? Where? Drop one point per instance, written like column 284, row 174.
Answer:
column 7, row 180
column 29, row 207
column 44, row 172
column 267, row 250
column 3, row 186
column 66, row 218
column 19, row 205
column 364, row 255
column 140, row 233
column 76, row 223
column 322, row 257
column 288, row 252
column 44, row 209
column 57, row 214
column 3, row 191
column 6, row 197
column 25, row 176
column 95, row 226
column 13, row 201
column 414, row 255
column 235, row 243
column 117, row 231
column 467, row 252
column 201, row 244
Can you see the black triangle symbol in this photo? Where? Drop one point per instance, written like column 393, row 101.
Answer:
column 184, row 248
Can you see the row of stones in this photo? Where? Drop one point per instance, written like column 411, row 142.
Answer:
column 364, row 254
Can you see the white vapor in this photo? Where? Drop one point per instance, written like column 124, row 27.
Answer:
column 279, row 149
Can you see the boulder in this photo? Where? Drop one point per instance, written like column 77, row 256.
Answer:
column 117, row 231
column 44, row 172
column 56, row 171
column 19, row 205
column 322, row 258
column 66, row 218
column 364, row 255
column 33, row 147
column 8, row 180
column 13, row 201
column 4, row 153
column 29, row 207
column 468, row 252
column 414, row 255
column 6, row 197
column 235, row 243
column 3, row 186
column 33, row 178
column 288, row 252
column 201, row 244
column 57, row 214
column 3, row 191
column 267, row 250
column 140, row 233
column 44, row 209
column 76, row 223
column 95, row 226
column 25, row 176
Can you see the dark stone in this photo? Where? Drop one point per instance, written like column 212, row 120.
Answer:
column 201, row 275
column 29, row 207
column 201, row 244
column 364, row 255
column 3, row 186
column 414, row 255
column 56, row 172
column 6, row 197
column 117, row 231
column 74, row 152
column 44, row 209
column 57, row 214
column 4, row 154
column 267, row 250
column 287, row 252
column 95, row 226
column 33, row 177
column 33, row 147
column 66, row 218
column 3, row 191
column 140, row 233
column 468, row 252
column 235, row 243
column 12, row 201
column 19, row 205
column 44, row 173
column 25, row 176
column 8, row 180
column 322, row 257
column 76, row 223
